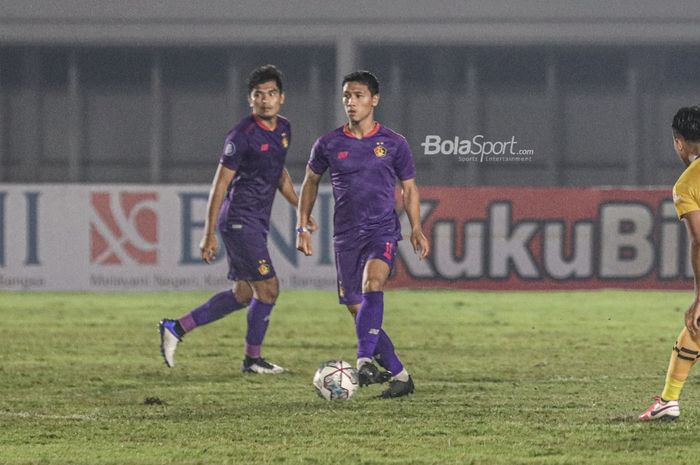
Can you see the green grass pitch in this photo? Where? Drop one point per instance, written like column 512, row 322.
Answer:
column 501, row 378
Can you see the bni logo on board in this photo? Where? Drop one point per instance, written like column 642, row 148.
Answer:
column 123, row 228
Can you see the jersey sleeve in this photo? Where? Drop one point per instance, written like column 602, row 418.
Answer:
column 235, row 145
column 404, row 166
column 318, row 161
column 685, row 199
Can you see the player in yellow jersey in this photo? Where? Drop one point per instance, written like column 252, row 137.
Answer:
column 686, row 198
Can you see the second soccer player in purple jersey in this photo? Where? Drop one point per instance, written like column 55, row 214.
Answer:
column 365, row 159
column 251, row 169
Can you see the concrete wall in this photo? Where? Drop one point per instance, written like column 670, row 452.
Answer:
column 485, row 22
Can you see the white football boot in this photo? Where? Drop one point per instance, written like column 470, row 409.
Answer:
column 168, row 341
column 661, row 410
column 261, row 366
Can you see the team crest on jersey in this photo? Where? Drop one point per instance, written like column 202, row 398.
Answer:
column 380, row 150
column 263, row 267
column 285, row 140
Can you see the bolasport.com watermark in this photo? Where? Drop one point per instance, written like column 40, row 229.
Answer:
column 477, row 149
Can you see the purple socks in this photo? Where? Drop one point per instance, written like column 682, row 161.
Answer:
column 258, row 319
column 217, row 307
column 372, row 341
column 368, row 323
column 385, row 355
column 223, row 303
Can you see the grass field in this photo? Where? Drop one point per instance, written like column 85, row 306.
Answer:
column 501, row 378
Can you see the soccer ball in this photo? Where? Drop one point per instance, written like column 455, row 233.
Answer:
column 336, row 380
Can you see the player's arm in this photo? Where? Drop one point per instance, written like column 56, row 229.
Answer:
column 411, row 203
column 692, row 222
column 221, row 181
column 307, row 199
column 286, row 188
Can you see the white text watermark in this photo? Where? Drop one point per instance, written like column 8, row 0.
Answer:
column 477, row 149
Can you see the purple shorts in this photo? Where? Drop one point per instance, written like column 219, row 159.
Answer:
column 350, row 266
column 248, row 257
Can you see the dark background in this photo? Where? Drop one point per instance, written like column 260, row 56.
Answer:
column 131, row 91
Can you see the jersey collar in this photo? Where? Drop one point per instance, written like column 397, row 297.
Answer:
column 346, row 131
column 262, row 125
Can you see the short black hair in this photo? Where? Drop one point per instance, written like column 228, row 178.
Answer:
column 263, row 74
column 363, row 77
column 686, row 123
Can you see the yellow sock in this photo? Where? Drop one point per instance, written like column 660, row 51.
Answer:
column 683, row 357
column 672, row 389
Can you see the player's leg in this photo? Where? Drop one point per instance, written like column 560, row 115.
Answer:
column 249, row 260
column 358, row 273
column 218, row 306
column 265, row 294
column 380, row 260
column 384, row 353
column 349, row 266
column 368, row 322
column 683, row 356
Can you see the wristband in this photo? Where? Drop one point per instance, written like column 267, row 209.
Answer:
column 302, row 229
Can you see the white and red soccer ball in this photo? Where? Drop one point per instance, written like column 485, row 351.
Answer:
column 336, row 380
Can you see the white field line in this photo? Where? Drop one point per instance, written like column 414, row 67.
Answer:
column 46, row 417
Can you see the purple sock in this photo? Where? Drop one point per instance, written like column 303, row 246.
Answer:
column 385, row 355
column 217, row 307
column 258, row 319
column 369, row 323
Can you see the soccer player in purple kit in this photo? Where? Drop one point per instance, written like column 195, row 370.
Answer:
column 251, row 169
column 364, row 159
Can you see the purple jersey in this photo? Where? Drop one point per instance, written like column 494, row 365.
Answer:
column 363, row 176
column 257, row 155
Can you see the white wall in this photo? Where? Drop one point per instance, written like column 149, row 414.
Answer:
column 135, row 238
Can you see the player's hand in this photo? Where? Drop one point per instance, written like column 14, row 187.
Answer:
column 304, row 242
column 420, row 243
column 691, row 317
column 312, row 226
column 208, row 247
